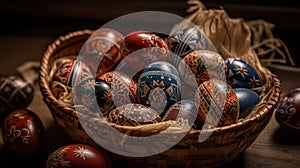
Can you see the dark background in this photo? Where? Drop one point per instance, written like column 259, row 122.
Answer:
column 56, row 17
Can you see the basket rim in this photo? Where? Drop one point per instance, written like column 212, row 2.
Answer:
column 44, row 86
column 270, row 106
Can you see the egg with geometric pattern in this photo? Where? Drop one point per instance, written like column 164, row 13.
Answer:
column 15, row 92
column 186, row 40
column 202, row 65
column 78, row 156
column 217, row 103
column 159, row 86
column 240, row 74
column 133, row 114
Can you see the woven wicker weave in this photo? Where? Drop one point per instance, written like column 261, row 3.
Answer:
column 225, row 143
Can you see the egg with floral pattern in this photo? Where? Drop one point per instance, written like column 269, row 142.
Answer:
column 84, row 94
column 141, row 48
column 123, row 87
column 217, row 103
column 159, row 86
column 133, row 114
column 101, row 52
column 23, row 132
column 72, row 72
column 78, row 156
column 288, row 112
column 240, row 74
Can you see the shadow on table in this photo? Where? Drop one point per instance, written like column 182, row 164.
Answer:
column 283, row 136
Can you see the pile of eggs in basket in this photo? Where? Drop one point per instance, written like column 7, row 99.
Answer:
column 143, row 78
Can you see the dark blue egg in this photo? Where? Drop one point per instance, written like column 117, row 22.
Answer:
column 185, row 40
column 240, row 74
column 247, row 100
column 159, row 86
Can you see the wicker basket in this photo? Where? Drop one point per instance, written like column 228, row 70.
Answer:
column 225, row 143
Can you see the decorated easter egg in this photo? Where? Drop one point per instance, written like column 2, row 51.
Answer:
column 23, row 132
column 288, row 112
column 202, row 65
column 101, row 52
column 159, row 86
column 124, row 89
column 184, row 41
column 105, row 96
column 240, row 74
column 15, row 93
column 72, row 72
column 247, row 100
column 133, row 115
column 141, row 48
column 84, row 94
column 78, row 156
column 217, row 103
column 185, row 113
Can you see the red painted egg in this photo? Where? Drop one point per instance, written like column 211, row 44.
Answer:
column 288, row 112
column 101, row 52
column 141, row 48
column 72, row 72
column 23, row 132
column 123, row 88
column 217, row 103
column 133, row 115
column 185, row 113
column 202, row 65
column 15, row 93
column 78, row 156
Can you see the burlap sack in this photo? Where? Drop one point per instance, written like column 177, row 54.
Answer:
column 235, row 37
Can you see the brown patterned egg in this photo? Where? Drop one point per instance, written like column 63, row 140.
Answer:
column 72, row 72
column 23, row 132
column 202, row 65
column 288, row 112
column 133, row 115
column 217, row 103
column 78, row 156
column 15, row 93
column 141, row 48
column 184, row 113
column 123, row 88
column 101, row 52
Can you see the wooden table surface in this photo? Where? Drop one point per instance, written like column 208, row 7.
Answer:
column 273, row 148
